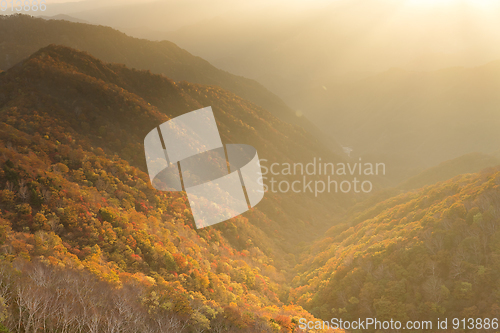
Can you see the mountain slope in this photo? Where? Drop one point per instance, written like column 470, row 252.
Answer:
column 99, row 102
column 75, row 195
column 470, row 163
column 72, row 210
column 17, row 41
column 414, row 120
column 64, row 17
column 417, row 256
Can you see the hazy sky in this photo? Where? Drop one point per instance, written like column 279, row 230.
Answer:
column 111, row 1
column 57, row 1
column 108, row 2
column 415, row 2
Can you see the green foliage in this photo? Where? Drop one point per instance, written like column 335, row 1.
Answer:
column 170, row 262
column 106, row 215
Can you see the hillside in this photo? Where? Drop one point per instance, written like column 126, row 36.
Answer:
column 470, row 163
column 417, row 256
column 17, row 42
column 75, row 200
column 102, row 104
column 415, row 120
column 72, row 212
column 63, row 17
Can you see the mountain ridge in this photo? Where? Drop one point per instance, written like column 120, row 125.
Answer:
column 162, row 57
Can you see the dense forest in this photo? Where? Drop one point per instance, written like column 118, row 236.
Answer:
column 425, row 254
column 78, row 208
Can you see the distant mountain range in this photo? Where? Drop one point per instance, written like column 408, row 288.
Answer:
column 470, row 163
column 295, row 46
column 64, row 18
column 415, row 120
column 17, row 42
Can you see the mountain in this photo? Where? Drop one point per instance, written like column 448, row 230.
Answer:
column 470, row 163
column 109, row 120
column 466, row 164
column 18, row 42
column 75, row 201
column 113, row 46
column 294, row 46
column 422, row 255
column 415, row 120
column 64, row 17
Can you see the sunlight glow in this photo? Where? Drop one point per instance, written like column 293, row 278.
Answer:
column 475, row 3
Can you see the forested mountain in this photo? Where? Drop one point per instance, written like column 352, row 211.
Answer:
column 75, row 200
column 469, row 163
column 417, row 256
column 18, row 41
column 466, row 164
